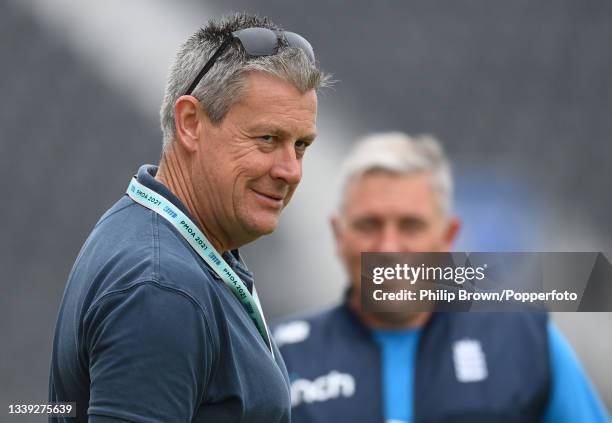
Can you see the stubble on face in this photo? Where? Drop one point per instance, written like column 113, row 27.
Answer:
column 385, row 212
column 249, row 166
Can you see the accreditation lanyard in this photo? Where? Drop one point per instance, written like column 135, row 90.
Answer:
column 160, row 205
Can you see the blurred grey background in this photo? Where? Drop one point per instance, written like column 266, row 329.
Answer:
column 519, row 91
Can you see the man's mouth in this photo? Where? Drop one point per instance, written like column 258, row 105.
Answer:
column 272, row 199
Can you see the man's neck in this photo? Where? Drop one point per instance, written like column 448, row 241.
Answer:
column 376, row 321
column 175, row 175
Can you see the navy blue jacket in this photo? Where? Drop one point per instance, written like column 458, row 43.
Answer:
column 334, row 366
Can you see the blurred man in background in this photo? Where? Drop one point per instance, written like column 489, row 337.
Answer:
column 160, row 320
column 349, row 365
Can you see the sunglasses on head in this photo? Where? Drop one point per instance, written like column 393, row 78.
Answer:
column 256, row 42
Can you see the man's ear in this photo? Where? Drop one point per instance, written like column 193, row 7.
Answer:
column 335, row 223
column 452, row 229
column 188, row 122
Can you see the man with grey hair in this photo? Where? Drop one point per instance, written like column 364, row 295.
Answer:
column 160, row 320
column 347, row 364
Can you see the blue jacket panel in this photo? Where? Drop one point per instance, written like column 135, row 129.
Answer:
column 470, row 367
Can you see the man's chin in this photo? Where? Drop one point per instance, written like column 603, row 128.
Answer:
column 263, row 225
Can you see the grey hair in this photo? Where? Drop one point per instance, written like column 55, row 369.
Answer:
column 399, row 153
column 224, row 84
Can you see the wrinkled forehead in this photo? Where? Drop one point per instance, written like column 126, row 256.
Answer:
column 387, row 193
column 270, row 99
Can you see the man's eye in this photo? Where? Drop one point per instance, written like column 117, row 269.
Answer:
column 301, row 145
column 412, row 225
column 267, row 138
column 367, row 225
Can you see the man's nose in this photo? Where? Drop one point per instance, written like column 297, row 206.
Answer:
column 389, row 240
column 392, row 240
column 286, row 165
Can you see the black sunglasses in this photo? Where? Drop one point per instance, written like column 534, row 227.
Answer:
column 256, row 42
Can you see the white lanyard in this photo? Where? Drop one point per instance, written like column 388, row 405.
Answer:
column 163, row 207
